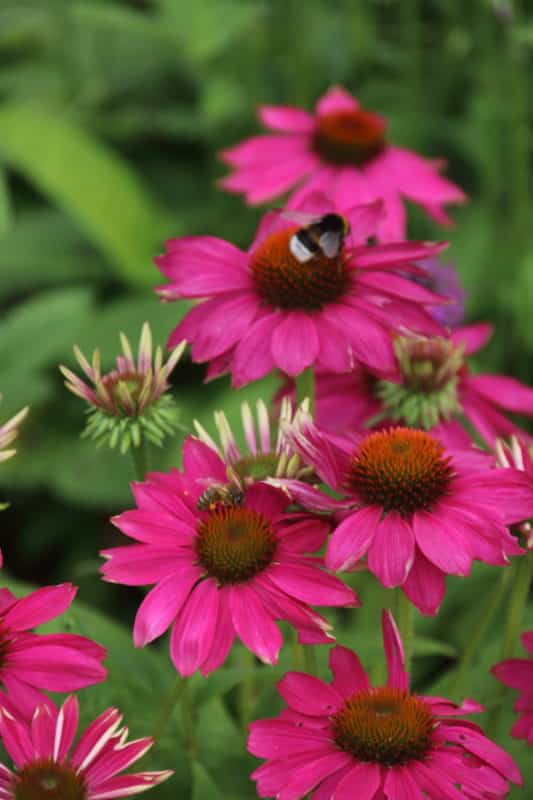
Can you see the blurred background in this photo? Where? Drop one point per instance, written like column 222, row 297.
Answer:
column 111, row 116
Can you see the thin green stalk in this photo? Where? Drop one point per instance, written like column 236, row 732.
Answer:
column 139, row 456
column 405, row 619
column 521, row 574
column 166, row 709
column 477, row 635
column 247, row 688
column 310, row 659
column 305, row 387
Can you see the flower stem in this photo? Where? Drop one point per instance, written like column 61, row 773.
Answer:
column 167, row 706
column 521, row 573
column 477, row 636
column 405, row 619
column 139, row 457
column 305, row 387
column 310, row 659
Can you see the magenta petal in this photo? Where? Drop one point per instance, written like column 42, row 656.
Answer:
column 212, row 336
column 201, row 461
column 162, row 603
column 398, row 253
column 56, row 668
column 268, row 500
column 472, row 337
column 362, row 782
column 351, row 539
column 194, row 629
column 515, row 672
column 311, row 585
column 138, row 565
column 391, row 552
column 288, row 119
column 40, row 606
column 394, row 653
column 309, row 695
column 224, row 634
column 126, row 785
column 305, row 778
column 295, row 343
column 16, row 739
column 349, row 676
column 253, row 356
column 527, row 641
column 66, row 727
column 441, row 543
column 95, row 737
column 505, row 392
column 117, row 759
column 400, row 785
column 336, row 99
column 42, row 732
column 425, row 585
column 276, row 738
column 254, row 625
column 483, row 748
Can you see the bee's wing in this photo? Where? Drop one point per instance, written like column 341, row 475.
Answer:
column 300, row 252
column 300, row 217
column 330, row 244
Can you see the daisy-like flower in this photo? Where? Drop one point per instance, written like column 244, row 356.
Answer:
column 265, row 308
column 31, row 662
column 349, row 739
column 227, row 570
column 342, row 150
column 9, row 432
column 517, row 455
column 444, row 279
column 415, row 511
column 46, row 765
column 433, row 389
column 130, row 402
column 518, row 674
column 264, row 457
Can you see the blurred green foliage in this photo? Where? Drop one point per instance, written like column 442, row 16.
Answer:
column 111, row 115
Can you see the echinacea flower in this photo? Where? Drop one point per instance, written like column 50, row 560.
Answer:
column 342, row 150
column 433, row 389
column 517, row 673
column 264, row 308
column 517, row 454
column 414, row 510
column 47, row 766
column 130, row 402
column 444, row 280
column 31, row 662
column 349, row 739
column 223, row 571
column 263, row 457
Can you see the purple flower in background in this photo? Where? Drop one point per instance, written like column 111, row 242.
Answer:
column 444, row 279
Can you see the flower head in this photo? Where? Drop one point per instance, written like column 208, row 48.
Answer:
column 265, row 308
column 130, row 402
column 413, row 509
column 433, row 389
column 31, row 662
column 342, row 150
column 351, row 739
column 225, row 569
column 46, row 765
column 518, row 674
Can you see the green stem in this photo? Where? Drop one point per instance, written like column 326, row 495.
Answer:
column 166, row 708
column 139, row 457
column 477, row 636
column 405, row 619
column 310, row 659
column 247, row 689
column 521, row 574
column 305, row 387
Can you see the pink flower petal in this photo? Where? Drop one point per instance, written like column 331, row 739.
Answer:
column 254, row 625
column 211, row 335
column 336, row 99
column 417, row 178
column 253, row 356
column 381, row 255
column 515, row 672
column 425, row 585
column 394, row 654
column 56, row 668
column 162, row 604
column 349, row 676
column 275, row 738
column 140, row 565
column 125, row 785
column 201, row 461
column 95, row 737
column 362, row 782
column 311, row 585
column 16, row 739
column 295, row 343
column 65, row 727
column 305, row 778
column 40, row 606
column 478, row 744
column 42, row 732
column 352, row 538
column 472, row 337
column 269, row 178
column 400, row 785
column 505, row 392
column 224, row 634
column 287, row 119
column 309, row 695
column 116, row 760
column 391, row 552
column 265, row 150
column 194, row 629
column 446, row 547
column 268, row 500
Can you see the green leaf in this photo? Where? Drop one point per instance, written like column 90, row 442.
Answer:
column 204, row 787
column 426, row 646
column 5, row 205
column 88, row 180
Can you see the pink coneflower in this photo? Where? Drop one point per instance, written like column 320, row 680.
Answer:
column 131, row 401
column 342, row 150
column 46, row 766
column 349, row 739
column 518, row 674
column 227, row 570
column 433, row 389
column 55, row 662
column 264, row 308
column 416, row 511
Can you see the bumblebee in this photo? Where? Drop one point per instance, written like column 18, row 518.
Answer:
column 220, row 495
column 318, row 236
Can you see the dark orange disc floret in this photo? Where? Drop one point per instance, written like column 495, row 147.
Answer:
column 400, row 470
column 384, row 725
column 234, row 544
column 45, row 779
column 349, row 137
column 284, row 282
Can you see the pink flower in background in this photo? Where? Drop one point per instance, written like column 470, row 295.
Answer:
column 9, row 432
column 444, row 280
column 433, row 389
column 342, row 150
column 30, row 662
column 518, row 674
column 264, row 308
column 349, row 739
column 223, row 571
column 46, row 765
column 517, row 455
column 415, row 511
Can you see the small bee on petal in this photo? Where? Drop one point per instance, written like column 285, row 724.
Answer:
column 318, row 236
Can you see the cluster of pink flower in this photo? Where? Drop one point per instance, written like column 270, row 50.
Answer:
column 377, row 465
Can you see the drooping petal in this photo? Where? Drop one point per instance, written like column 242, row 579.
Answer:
column 295, row 343
column 397, row 676
column 425, row 585
column 363, row 781
column 352, row 537
column 254, row 625
column 194, row 629
column 391, row 552
column 162, row 604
